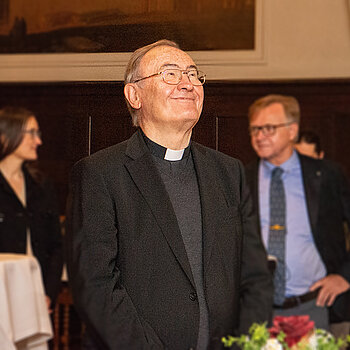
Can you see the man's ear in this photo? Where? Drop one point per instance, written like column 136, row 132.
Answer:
column 294, row 131
column 132, row 95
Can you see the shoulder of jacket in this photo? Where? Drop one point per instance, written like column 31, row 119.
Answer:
column 216, row 155
column 104, row 156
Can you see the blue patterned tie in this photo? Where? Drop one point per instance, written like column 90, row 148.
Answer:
column 277, row 234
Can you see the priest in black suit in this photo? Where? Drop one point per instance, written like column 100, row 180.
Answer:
column 316, row 266
column 163, row 250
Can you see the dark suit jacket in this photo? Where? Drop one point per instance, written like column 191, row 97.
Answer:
column 129, row 273
column 328, row 202
column 41, row 215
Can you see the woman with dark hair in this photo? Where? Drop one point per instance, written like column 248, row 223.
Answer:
column 29, row 221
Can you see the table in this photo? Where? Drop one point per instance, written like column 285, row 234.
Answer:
column 24, row 320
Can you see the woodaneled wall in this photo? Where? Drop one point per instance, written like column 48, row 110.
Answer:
column 80, row 118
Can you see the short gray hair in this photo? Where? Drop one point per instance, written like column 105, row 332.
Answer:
column 290, row 105
column 132, row 69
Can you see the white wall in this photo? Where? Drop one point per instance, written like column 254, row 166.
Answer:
column 304, row 39
column 297, row 39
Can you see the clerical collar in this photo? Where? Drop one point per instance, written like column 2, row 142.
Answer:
column 166, row 153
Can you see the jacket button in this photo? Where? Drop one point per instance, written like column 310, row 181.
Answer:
column 193, row 296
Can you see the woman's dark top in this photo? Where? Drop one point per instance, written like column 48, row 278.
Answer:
column 41, row 216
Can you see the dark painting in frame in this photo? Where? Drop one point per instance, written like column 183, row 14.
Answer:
column 122, row 26
column 107, row 66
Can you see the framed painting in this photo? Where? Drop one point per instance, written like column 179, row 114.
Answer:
column 92, row 40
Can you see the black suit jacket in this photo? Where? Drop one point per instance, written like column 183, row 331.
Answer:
column 129, row 272
column 41, row 215
column 328, row 202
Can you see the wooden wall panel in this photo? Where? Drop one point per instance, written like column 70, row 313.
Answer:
column 233, row 138
column 109, row 129
column 76, row 118
column 205, row 131
column 325, row 108
column 65, row 140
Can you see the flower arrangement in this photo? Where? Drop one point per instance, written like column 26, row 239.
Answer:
column 287, row 333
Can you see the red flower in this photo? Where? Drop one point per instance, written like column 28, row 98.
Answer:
column 295, row 327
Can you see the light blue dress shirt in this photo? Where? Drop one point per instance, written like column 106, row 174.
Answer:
column 303, row 262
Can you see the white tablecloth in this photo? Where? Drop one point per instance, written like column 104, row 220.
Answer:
column 24, row 319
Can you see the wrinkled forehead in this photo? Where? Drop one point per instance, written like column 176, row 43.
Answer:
column 163, row 57
column 273, row 112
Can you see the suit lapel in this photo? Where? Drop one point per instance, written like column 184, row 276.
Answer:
column 147, row 179
column 31, row 188
column 312, row 176
column 252, row 175
column 213, row 202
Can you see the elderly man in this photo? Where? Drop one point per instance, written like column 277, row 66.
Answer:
column 163, row 247
column 303, row 203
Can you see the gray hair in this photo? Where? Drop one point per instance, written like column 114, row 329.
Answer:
column 132, row 69
column 290, row 105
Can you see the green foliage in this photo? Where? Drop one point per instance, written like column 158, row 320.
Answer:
column 259, row 336
column 326, row 341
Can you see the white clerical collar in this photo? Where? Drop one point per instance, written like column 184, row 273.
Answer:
column 166, row 153
column 173, row 155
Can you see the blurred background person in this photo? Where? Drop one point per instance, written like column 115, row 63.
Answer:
column 302, row 204
column 29, row 220
column 309, row 144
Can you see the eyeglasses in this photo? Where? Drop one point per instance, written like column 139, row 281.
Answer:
column 174, row 76
column 267, row 129
column 33, row 133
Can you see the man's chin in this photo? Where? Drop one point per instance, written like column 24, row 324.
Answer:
column 262, row 154
column 184, row 117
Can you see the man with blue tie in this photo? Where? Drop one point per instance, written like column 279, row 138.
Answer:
column 302, row 204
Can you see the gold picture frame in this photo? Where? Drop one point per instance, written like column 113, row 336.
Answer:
column 110, row 66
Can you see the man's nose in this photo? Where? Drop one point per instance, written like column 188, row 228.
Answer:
column 185, row 82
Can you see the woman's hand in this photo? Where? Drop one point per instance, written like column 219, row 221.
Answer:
column 48, row 304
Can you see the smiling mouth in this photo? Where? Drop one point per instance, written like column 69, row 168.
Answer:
column 184, row 99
